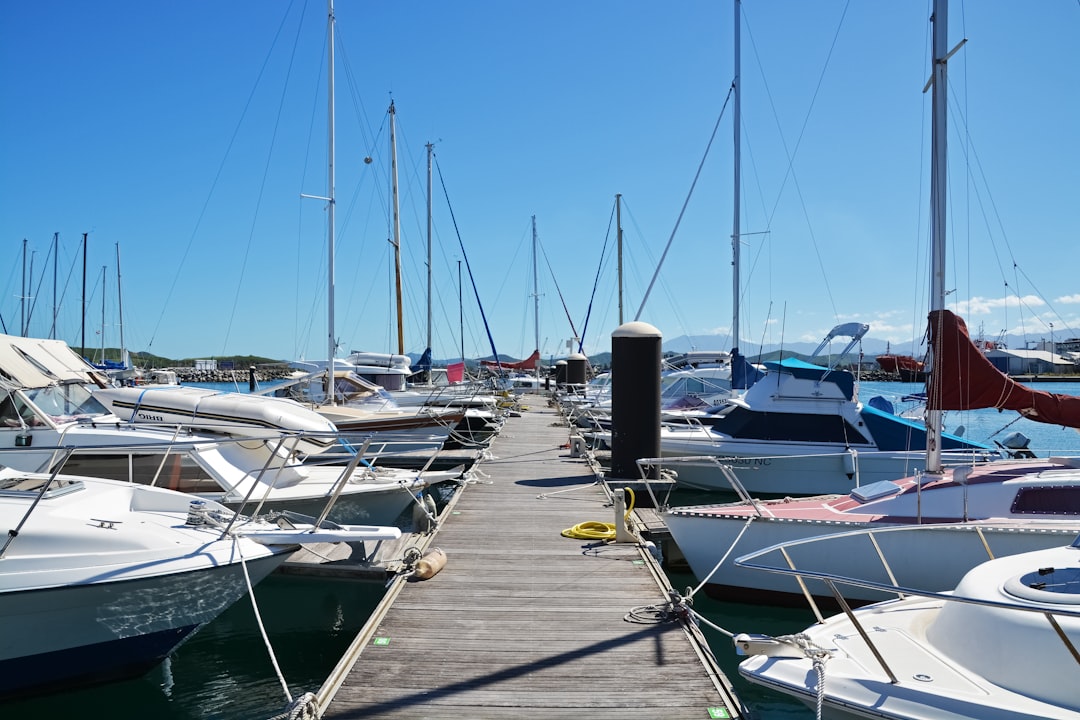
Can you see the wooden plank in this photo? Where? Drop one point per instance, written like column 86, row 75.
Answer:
column 523, row 621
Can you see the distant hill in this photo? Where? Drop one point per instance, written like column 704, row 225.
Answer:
column 871, row 345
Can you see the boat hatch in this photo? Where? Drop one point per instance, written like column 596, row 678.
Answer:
column 1060, row 586
column 874, row 491
column 31, row 485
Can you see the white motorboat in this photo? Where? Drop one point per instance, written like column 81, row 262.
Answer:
column 802, row 430
column 100, row 580
column 1001, row 644
column 361, row 409
column 49, row 402
column 1014, row 505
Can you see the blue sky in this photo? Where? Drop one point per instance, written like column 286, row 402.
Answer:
column 184, row 133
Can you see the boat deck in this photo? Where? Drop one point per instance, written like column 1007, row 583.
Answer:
column 523, row 621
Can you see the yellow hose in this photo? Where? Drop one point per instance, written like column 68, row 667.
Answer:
column 596, row 530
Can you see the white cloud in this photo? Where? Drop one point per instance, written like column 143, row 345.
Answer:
column 1069, row 299
column 986, row 306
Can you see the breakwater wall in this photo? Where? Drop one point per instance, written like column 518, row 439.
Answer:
column 239, row 375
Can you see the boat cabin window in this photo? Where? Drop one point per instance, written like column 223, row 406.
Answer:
column 14, row 413
column 1048, row 500
column 179, row 471
column 67, row 402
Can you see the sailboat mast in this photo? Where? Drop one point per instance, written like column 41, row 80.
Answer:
column 331, row 183
column 461, row 312
column 430, row 148
column 618, row 235
column 120, row 306
column 82, row 314
column 397, row 229
column 735, row 228
column 22, row 295
column 103, row 269
column 56, row 253
column 536, row 295
column 938, row 172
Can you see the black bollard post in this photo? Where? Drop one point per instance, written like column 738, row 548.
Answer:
column 251, row 379
column 635, row 398
column 575, row 372
column 560, row 374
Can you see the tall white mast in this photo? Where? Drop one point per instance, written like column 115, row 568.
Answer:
column 397, row 229
column 735, row 229
column 430, row 148
column 618, row 235
column 331, row 184
column 938, row 179
column 120, row 306
column 536, row 297
column 103, row 269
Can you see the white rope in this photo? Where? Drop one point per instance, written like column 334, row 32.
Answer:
column 712, row 572
column 817, row 655
column 259, row 622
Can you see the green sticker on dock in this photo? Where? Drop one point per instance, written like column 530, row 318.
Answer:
column 715, row 712
column 638, row 562
column 381, row 641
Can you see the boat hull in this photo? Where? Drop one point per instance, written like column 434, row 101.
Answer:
column 92, row 633
column 794, row 469
column 705, row 540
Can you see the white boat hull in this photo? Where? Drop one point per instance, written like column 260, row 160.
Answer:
column 65, row 636
column 939, row 658
column 790, row 468
column 705, row 540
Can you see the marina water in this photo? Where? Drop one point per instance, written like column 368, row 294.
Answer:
column 225, row 671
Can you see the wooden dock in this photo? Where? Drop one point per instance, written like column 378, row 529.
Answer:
column 523, row 621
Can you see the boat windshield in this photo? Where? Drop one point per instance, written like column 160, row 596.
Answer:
column 66, row 403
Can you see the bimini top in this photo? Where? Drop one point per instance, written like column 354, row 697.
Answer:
column 36, row 363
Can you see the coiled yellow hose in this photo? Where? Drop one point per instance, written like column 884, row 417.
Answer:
column 596, row 530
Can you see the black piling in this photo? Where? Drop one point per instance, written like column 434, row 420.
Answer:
column 635, row 398
column 576, row 366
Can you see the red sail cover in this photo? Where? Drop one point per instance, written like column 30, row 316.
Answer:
column 528, row 363
column 963, row 378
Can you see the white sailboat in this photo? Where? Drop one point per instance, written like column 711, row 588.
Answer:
column 802, row 429
column 1002, row 643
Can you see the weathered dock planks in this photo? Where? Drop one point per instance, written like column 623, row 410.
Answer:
column 523, row 621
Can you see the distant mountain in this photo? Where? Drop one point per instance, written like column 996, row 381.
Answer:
column 685, row 343
column 871, row 345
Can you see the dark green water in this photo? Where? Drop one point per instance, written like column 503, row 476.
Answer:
column 224, row 671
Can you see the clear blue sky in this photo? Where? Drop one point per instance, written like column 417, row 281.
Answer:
column 184, row 133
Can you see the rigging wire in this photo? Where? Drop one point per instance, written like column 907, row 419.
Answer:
column 261, row 192
column 686, row 202
column 596, row 281
column 472, row 280
column 217, row 175
column 791, row 154
column 558, row 290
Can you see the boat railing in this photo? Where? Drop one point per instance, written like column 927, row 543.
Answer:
column 724, row 468
column 832, row 580
column 14, row 532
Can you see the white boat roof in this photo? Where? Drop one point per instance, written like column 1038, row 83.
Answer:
column 37, row 362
